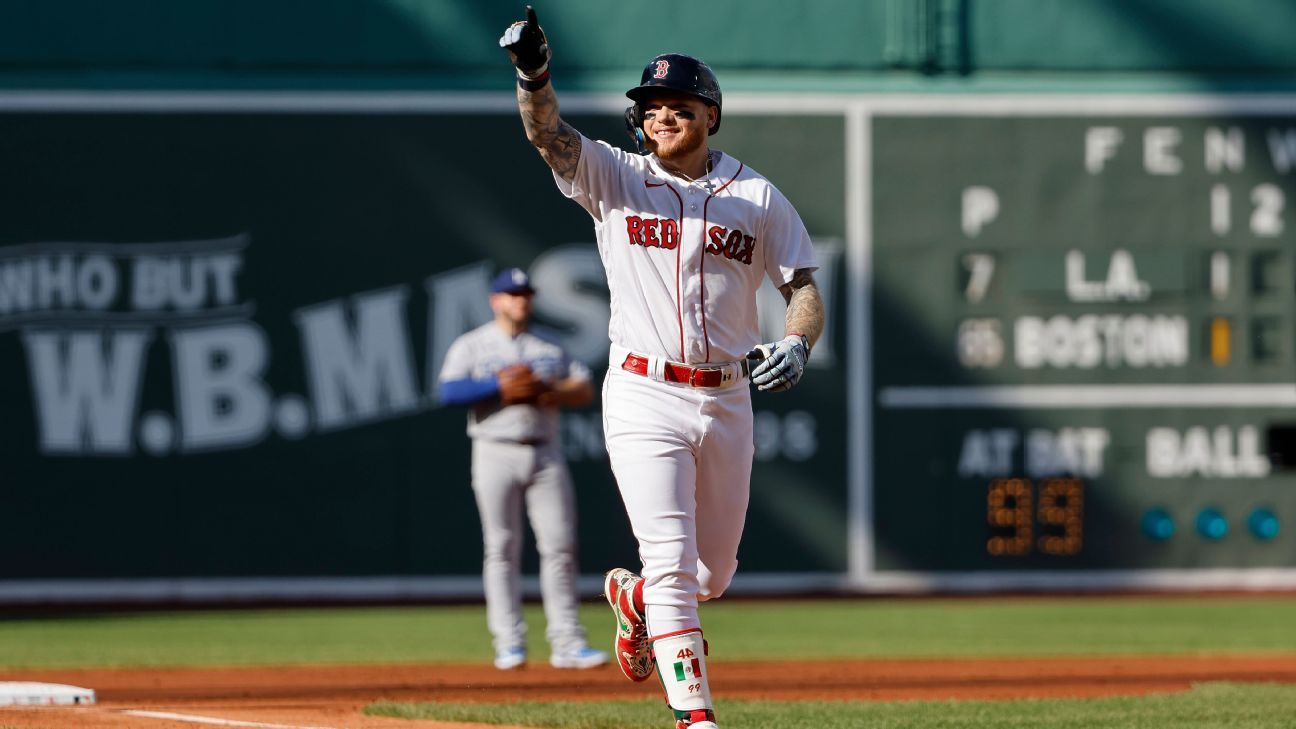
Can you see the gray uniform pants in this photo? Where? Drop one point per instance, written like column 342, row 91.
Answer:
column 503, row 476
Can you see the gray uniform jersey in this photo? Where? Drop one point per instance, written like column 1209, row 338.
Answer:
column 516, row 459
column 481, row 353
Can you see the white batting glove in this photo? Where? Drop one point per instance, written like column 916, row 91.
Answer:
column 781, row 363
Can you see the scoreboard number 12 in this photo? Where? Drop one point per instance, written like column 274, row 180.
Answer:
column 1023, row 519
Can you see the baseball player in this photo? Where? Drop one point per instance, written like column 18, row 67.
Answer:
column 515, row 381
column 686, row 235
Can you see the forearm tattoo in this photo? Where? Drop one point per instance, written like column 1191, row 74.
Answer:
column 805, row 309
column 558, row 142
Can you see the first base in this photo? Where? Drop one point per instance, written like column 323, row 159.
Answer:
column 29, row 693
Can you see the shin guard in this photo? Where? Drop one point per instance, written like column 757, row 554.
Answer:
column 681, row 666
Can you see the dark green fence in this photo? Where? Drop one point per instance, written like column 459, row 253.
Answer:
column 221, row 333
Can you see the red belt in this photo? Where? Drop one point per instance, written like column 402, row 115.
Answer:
column 681, row 373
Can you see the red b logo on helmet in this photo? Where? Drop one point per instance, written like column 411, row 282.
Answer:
column 662, row 68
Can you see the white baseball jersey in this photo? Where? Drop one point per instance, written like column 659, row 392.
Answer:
column 684, row 260
column 481, row 353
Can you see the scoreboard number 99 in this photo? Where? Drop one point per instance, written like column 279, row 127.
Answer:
column 1025, row 516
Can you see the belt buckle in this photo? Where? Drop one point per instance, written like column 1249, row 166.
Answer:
column 697, row 376
column 726, row 376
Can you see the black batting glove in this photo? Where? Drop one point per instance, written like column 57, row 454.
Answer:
column 527, row 46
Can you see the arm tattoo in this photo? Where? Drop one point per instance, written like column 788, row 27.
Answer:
column 805, row 310
column 558, row 142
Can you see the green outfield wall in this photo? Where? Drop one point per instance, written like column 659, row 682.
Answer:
column 756, row 44
column 236, row 240
column 222, row 331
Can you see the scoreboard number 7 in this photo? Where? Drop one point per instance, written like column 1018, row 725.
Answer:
column 980, row 269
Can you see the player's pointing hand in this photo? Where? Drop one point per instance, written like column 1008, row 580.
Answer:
column 527, row 46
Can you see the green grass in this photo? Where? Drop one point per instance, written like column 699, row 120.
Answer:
column 248, row 637
column 1235, row 706
column 736, row 630
column 1004, row 627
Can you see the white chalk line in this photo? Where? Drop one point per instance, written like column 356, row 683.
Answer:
column 196, row 719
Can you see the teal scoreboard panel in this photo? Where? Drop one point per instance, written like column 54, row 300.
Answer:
column 1083, row 322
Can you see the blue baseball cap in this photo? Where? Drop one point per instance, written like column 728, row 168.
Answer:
column 512, row 281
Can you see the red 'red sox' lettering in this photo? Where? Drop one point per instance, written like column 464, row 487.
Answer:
column 733, row 244
column 652, row 232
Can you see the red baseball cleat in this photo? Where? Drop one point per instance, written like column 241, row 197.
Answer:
column 624, row 592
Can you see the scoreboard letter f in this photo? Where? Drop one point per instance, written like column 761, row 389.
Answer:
column 1100, row 146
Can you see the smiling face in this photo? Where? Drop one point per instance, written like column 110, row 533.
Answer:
column 675, row 125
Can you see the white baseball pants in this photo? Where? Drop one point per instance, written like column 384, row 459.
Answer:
column 682, row 457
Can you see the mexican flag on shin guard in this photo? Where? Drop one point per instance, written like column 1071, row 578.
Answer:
column 681, row 665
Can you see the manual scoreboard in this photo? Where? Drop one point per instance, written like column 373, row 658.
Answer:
column 1083, row 331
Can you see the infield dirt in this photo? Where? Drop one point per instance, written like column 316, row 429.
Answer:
column 317, row 697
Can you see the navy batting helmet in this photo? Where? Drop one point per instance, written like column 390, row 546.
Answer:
column 678, row 72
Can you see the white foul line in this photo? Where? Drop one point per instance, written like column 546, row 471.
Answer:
column 1281, row 395
column 195, row 719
